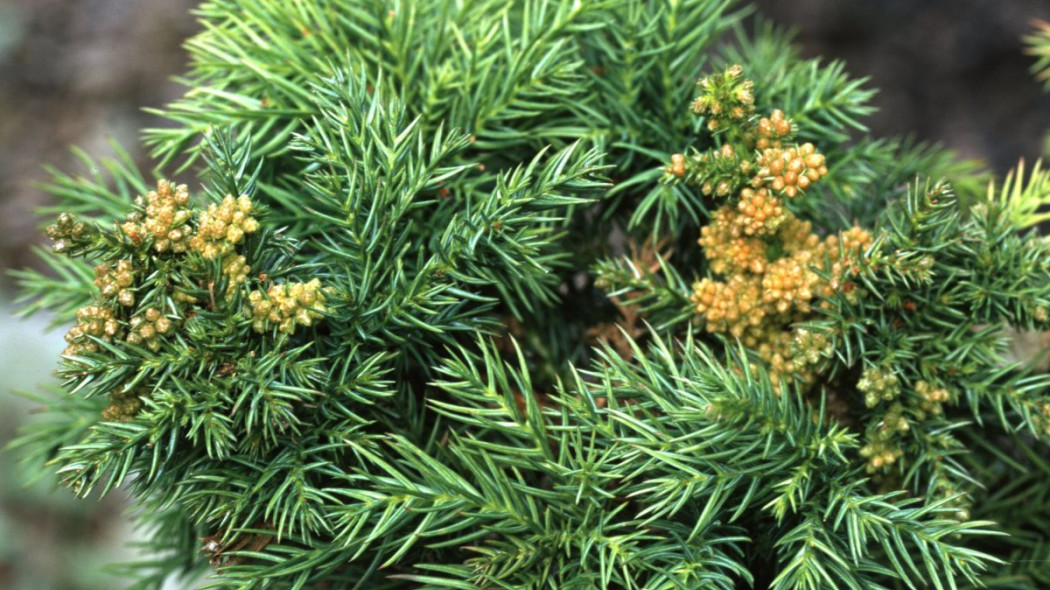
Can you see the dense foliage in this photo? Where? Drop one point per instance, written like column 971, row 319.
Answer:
column 493, row 294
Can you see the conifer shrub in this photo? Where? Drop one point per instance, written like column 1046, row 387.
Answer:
column 492, row 294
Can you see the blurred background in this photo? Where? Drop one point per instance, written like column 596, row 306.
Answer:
column 78, row 72
column 72, row 72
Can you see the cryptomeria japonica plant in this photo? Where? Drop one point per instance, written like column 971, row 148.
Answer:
column 445, row 294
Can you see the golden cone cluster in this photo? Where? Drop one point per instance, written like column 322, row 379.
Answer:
column 883, row 450
column 760, row 213
column 148, row 327
column 718, row 172
column 93, row 321
column 725, row 99
column 727, row 248
column 796, row 235
column 879, row 385
column 236, row 268
column 931, row 398
column 764, row 259
column 123, row 406
column 163, row 227
column 770, row 271
column 760, row 297
column 732, row 307
column 792, row 170
column 66, row 231
column 753, row 165
column 287, row 306
column 809, row 347
column 221, row 227
column 677, row 167
column 164, row 218
column 769, row 131
column 115, row 281
column 787, row 283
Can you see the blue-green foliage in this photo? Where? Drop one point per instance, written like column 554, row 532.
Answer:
column 450, row 170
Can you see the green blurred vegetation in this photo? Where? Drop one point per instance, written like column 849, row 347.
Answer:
column 48, row 539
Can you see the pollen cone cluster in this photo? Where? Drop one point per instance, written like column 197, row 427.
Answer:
column 287, row 306
column 769, row 131
column 114, row 281
column 123, row 405
column 726, row 99
column 165, row 219
column 148, row 327
column 755, row 166
column 220, row 228
column 138, row 303
column 66, row 232
column 882, row 387
column 883, row 448
column 162, row 218
column 93, row 322
column 764, row 260
column 759, row 297
column 788, row 171
column 223, row 226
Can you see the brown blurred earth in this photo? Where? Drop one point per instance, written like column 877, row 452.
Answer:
column 77, row 72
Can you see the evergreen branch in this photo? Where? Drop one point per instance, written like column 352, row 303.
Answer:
column 351, row 365
column 664, row 299
column 823, row 100
column 60, row 295
column 1038, row 46
column 105, row 195
column 1022, row 199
